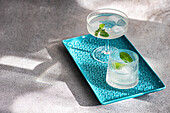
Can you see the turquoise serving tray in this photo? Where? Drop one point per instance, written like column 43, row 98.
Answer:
column 80, row 48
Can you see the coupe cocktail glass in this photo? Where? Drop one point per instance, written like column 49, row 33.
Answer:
column 115, row 24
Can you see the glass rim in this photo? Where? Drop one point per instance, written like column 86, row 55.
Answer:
column 87, row 18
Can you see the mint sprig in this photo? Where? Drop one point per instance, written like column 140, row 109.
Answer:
column 97, row 32
column 117, row 65
column 125, row 57
column 102, row 31
column 101, row 26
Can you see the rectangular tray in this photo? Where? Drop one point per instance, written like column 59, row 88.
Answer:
column 80, row 48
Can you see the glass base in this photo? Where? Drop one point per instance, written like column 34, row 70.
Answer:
column 101, row 55
column 122, row 86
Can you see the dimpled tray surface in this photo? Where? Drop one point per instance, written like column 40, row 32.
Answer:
column 80, row 48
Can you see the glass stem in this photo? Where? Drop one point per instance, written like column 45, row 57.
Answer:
column 107, row 46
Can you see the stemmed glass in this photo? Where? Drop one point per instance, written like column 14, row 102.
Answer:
column 106, row 24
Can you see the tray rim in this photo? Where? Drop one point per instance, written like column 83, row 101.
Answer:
column 123, row 98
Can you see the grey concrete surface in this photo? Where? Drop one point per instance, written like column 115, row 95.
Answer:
column 37, row 75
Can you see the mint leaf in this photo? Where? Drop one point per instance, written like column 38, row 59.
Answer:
column 97, row 32
column 103, row 33
column 101, row 26
column 117, row 65
column 126, row 57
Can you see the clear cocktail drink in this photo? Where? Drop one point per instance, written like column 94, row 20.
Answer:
column 115, row 25
column 122, row 74
column 106, row 24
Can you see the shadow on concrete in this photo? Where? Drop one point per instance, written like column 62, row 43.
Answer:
column 27, row 26
column 73, row 77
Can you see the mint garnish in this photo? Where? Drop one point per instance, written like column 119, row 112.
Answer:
column 97, row 32
column 102, row 31
column 126, row 57
column 117, row 65
column 101, row 26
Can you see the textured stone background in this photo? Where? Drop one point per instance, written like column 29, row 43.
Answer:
column 37, row 75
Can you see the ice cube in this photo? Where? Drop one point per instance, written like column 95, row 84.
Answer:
column 117, row 29
column 114, row 18
column 108, row 24
column 95, row 25
column 121, row 22
column 125, row 70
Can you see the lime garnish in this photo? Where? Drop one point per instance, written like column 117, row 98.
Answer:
column 126, row 57
column 102, row 31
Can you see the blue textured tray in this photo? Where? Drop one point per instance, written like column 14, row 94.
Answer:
column 80, row 49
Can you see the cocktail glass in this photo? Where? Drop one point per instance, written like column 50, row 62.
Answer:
column 115, row 25
column 121, row 74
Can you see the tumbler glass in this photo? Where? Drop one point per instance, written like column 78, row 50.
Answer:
column 122, row 74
